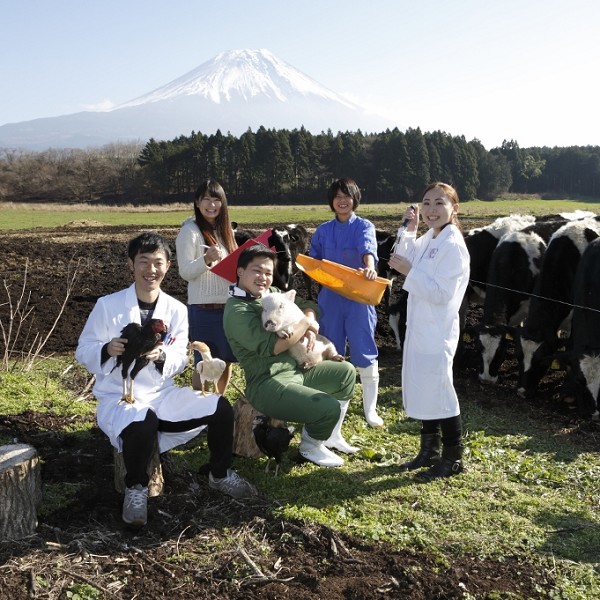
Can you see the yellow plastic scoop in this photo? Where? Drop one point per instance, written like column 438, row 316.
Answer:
column 343, row 280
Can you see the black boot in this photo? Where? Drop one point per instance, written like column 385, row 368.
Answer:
column 429, row 453
column 450, row 464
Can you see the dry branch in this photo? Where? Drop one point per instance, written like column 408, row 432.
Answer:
column 19, row 314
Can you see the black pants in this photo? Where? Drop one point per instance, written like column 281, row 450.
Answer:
column 139, row 437
column 451, row 429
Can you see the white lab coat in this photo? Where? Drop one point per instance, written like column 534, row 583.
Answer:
column 152, row 389
column 436, row 285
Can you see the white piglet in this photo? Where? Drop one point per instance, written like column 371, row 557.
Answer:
column 279, row 314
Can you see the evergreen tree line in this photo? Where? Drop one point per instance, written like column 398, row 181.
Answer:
column 282, row 166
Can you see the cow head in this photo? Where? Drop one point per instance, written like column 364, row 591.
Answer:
column 534, row 358
column 492, row 342
column 280, row 241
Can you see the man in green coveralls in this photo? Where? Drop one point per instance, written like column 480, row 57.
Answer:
column 275, row 385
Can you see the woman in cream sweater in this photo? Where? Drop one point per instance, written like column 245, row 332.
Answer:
column 203, row 241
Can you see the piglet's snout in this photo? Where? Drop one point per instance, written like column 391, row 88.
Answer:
column 270, row 325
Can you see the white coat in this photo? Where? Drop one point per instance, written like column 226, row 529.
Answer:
column 436, row 285
column 152, row 389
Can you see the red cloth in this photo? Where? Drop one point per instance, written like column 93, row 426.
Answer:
column 228, row 266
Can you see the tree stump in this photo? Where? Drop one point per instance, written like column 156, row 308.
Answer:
column 243, row 437
column 156, row 483
column 20, row 491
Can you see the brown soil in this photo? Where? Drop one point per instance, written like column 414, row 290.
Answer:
column 87, row 544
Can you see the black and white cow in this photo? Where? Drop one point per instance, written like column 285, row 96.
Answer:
column 299, row 244
column 299, row 239
column 242, row 235
column 584, row 351
column 481, row 243
column 279, row 240
column 397, row 318
column 550, row 306
column 385, row 243
column 513, row 269
column 288, row 241
column 504, row 309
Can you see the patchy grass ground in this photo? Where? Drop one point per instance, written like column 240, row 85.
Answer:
column 522, row 522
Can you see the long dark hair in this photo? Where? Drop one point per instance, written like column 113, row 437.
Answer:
column 213, row 189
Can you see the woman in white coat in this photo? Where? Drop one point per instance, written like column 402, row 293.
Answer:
column 436, row 267
column 160, row 408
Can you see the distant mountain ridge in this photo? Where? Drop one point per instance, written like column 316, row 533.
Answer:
column 232, row 92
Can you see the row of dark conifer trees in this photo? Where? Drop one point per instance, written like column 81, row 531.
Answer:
column 281, row 166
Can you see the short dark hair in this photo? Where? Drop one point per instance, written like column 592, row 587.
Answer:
column 247, row 255
column 348, row 187
column 149, row 241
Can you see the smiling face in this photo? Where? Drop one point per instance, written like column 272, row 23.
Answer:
column 343, row 205
column 210, row 207
column 257, row 277
column 437, row 209
column 149, row 270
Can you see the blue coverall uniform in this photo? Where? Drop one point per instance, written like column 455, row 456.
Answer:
column 343, row 320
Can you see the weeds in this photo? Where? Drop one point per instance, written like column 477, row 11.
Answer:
column 20, row 351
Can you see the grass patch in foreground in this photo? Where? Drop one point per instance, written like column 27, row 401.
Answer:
column 45, row 389
column 528, row 491
column 531, row 488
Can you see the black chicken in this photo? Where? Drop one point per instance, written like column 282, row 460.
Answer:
column 272, row 441
column 140, row 340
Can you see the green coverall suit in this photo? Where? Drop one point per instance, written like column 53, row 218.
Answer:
column 275, row 384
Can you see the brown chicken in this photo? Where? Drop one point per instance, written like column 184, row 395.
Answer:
column 209, row 368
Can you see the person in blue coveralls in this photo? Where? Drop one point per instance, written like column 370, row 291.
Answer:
column 350, row 240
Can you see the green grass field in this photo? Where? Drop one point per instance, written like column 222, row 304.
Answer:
column 20, row 216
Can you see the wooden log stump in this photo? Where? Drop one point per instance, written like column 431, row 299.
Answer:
column 243, row 437
column 20, row 491
column 156, row 483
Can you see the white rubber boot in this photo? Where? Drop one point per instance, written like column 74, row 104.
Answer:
column 369, row 378
column 336, row 439
column 317, row 452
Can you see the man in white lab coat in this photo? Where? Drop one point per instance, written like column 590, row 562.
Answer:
column 160, row 409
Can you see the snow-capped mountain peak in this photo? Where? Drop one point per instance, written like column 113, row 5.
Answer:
column 233, row 92
column 242, row 75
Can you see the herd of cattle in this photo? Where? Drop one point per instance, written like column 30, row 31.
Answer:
column 538, row 279
column 535, row 279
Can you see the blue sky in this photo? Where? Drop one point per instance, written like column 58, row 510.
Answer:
column 487, row 69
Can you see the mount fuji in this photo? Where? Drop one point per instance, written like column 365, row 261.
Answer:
column 234, row 91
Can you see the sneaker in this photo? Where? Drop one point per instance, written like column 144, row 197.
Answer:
column 233, row 485
column 135, row 505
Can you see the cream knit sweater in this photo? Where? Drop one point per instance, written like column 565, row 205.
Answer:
column 204, row 287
